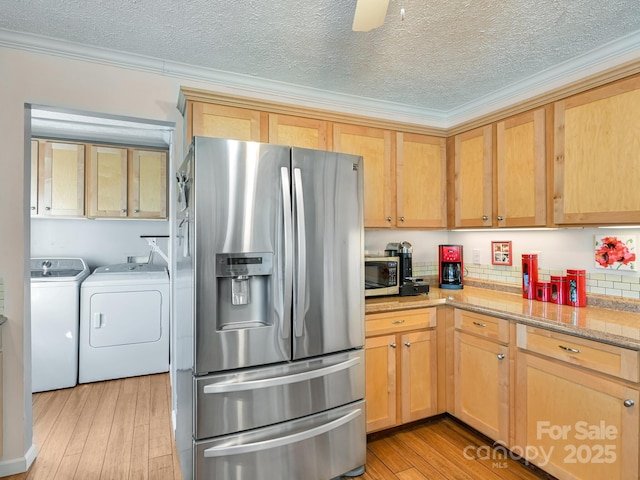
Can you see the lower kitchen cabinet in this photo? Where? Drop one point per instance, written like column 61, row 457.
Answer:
column 401, row 367
column 572, row 421
column 481, row 373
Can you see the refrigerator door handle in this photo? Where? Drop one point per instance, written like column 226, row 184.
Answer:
column 288, row 251
column 282, row 380
column 281, row 441
column 299, row 297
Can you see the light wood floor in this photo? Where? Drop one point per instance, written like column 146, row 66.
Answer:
column 121, row 429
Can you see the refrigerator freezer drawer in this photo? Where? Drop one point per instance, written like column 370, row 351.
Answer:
column 233, row 402
column 318, row 447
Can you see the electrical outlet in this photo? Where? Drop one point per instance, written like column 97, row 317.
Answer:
column 476, row 256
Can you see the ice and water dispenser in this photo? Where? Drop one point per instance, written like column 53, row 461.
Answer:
column 243, row 286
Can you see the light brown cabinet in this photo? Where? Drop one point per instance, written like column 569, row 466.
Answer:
column 299, row 132
column 34, row 177
column 420, row 181
column 473, row 178
column 578, row 423
column 60, row 179
column 401, row 367
column 126, row 183
column 481, row 373
column 211, row 120
column 521, row 171
column 375, row 147
column 596, row 147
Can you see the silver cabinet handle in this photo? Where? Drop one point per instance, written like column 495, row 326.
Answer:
column 569, row 349
column 224, row 450
column 388, row 219
column 629, row 403
column 481, row 325
column 501, row 356
column 397, row 322
column 485, row 218
column 33, row 208
column 408, row 344
column 137, row 210
column 282, row 380
column 47, row 208
column 393, row 345
column 402, row 219
column 124, row 210
column 500, row 218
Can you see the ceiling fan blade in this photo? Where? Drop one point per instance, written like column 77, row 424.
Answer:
column 369, row 14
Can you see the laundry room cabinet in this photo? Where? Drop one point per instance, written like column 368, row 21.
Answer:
column 126, row 183
column 61, row 170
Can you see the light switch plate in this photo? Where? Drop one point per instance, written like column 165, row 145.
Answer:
column 476, row 256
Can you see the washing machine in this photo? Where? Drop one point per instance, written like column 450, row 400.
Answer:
column 124, row 322
column 55, row 316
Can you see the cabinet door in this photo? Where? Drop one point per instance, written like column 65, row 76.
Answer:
column 421, row 181
column 374, row 146
column 481, row 387
column 473, row 182
column 578, row 418
column 418, row 362
column 107, row 178
column 61, row 180
column 298, row 132
column 596, row 145
column 522, row 189
column 147, row 196
column 380, row 383
column 34, row 177
column 234, row 123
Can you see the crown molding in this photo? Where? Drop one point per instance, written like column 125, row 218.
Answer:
column 612, row 61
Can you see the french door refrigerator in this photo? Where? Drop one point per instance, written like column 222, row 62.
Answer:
column 269, row 312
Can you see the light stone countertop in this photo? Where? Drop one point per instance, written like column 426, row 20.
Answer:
column 616, row 327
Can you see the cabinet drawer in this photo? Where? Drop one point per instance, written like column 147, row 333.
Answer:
column 392, row 322
column 601, row 357
column 482, row 325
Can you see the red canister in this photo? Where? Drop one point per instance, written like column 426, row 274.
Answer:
column 558, row 290
column 529, row 275
column 543, row 291
column 576, row 291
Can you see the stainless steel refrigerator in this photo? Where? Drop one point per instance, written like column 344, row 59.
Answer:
column 268, row 313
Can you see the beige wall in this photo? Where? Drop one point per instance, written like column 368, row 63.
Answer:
column 59, row 82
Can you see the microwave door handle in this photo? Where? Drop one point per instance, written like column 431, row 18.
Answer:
column 287, row 292
column 298, row 298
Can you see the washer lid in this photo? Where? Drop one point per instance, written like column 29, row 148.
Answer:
column 58, row 269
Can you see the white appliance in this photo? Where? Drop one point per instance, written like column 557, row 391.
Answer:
column 55, row 313
column 124, row 322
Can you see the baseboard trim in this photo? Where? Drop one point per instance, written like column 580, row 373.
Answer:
column 19, row 464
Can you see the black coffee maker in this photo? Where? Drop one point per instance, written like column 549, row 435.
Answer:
column 408, row 284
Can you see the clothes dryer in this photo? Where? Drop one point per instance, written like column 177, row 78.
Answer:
column 124, row 322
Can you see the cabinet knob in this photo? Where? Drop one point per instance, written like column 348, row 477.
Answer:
column 500, row 356
column 485, row 218
column 388, row 219
column 393, row 345
column 500, row 218
column 137, row 210
column 629, row 403
column 408, row 344
column 124, row 210
column 402, row 219
column 33, row 208
column 47, row 208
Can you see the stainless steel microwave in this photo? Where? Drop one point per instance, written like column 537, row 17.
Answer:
column 381, row 276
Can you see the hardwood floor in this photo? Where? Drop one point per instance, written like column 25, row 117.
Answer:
column 121, row 429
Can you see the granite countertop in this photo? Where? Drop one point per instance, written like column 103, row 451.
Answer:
column 621, row 328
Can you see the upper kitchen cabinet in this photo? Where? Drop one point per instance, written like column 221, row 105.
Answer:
column 521, row 170
column 375, row 147
column 596, row 147
column 61, row 179
column 299, row 132
column 127, row 183
column 473, row 178
column 34, row 177
column 211, row 120
column 420, row 181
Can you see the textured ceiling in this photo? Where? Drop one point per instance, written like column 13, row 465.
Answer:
column 445, row 54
